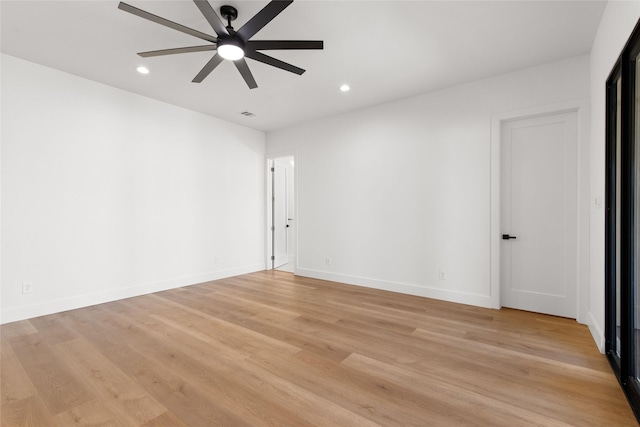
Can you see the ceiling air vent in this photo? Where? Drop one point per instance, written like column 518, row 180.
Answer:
column 247, row 113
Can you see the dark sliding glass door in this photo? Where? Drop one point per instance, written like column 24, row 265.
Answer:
column 612, row 215
column 635, row 262
column 622, row 228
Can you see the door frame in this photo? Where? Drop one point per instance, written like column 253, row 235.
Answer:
column 625, row 362
column 268, row 205
column 582, row 110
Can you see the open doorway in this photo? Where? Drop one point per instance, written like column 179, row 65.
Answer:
column 281, row 227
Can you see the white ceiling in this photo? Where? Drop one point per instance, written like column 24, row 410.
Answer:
column 385, row 50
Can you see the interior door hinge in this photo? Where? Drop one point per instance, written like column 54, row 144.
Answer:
column 273, row 258
column 273, row 169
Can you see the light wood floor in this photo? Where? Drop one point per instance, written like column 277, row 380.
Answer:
column 272, row 349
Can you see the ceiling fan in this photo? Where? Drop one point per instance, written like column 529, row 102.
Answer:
column 231, row 44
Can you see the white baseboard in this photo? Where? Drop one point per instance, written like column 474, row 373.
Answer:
column 403, row 288
column 596, row 332
column 80, row 301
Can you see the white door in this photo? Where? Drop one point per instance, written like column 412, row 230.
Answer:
column 279, row 218
column 539, row 214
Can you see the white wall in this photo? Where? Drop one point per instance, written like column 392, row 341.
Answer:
column 617, row 23
column 395, row 193
column 107, row 194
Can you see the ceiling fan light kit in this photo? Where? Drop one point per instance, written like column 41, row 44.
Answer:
column 230, row 44
column 230, row 51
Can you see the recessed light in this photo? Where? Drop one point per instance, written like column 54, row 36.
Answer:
column 143, row 70
column 345, row 88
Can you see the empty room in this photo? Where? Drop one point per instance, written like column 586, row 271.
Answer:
column 319, row 213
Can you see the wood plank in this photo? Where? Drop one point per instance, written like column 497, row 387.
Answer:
column 119, row 393
column 360, row 394
column 50, row 373
column 187, row 402
column 275, row 331
column 52, row 329
column 93, row 413
column 16, row 329
column 15, row 384
column 27, row 412
column 166, row 419
column 486, row 410
column 269, row 399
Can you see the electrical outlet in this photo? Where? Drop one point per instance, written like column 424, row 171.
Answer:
column 598, row 201
column 27, row 287
column 327, row 261
column 442, row 275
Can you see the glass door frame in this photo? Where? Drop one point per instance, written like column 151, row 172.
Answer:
column 624, row 255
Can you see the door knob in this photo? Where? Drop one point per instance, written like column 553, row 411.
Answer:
column 507, row 237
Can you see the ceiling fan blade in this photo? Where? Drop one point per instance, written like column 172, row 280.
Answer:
column 241, row 65
column 189, row 49
column 158, row 20
column 284, row 44
column 208, row 68
column 263, row 17
column 266, row 59
column 212, row 17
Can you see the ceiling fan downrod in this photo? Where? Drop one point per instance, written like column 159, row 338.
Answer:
column 230, row 13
